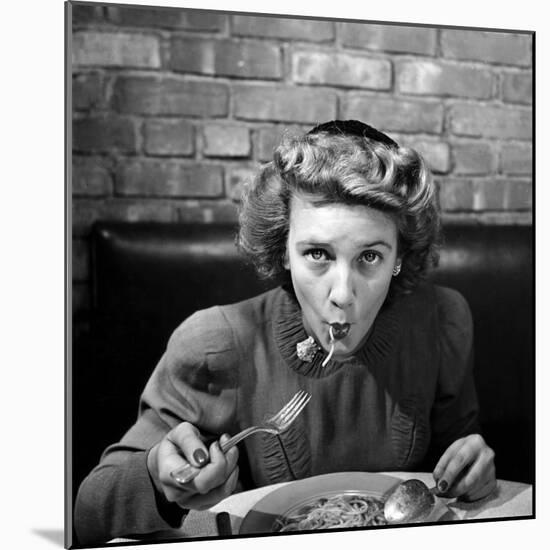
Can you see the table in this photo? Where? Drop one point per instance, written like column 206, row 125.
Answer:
column 511, row 499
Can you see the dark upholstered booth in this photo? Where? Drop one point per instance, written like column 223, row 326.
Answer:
column 148, row 277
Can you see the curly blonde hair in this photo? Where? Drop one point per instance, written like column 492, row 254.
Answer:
column 343, row 162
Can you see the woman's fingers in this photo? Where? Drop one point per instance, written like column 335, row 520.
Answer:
column 187, row 438
column 219, row 469
column 481, row 492
column 214, row 473
column 450, row 464
column 203, row 501
column 176, row 451
column 210, row 481
column 232, row 455
column 466, row 469
column 478, row 479
column 211, row 476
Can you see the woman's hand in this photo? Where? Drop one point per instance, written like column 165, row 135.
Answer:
column 216, row 479
column 466, row 469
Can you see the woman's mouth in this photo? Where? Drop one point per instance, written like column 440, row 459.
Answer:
column 336, row 331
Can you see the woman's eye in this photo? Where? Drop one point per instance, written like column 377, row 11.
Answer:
column 316, row 254
column 370, row 257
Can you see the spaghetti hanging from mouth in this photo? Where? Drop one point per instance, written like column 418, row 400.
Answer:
column 336, row 331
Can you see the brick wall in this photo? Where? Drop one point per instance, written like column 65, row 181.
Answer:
column 174, row 108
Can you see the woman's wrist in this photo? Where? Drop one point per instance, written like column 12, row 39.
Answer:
column 152, row 467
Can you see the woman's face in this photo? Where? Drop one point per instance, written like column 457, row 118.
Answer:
column 341, row 260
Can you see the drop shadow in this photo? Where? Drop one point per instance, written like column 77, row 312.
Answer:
column 57, row 536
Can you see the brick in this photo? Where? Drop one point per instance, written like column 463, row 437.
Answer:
column 517, row 87
column 91, row 177
column 106, row 133
column 84, row 214
column 210, row 212
column 80, row 260
column 474, row 158
column 154, row 211
column 519, row 195
column 341, row 70
column 170, row 96
column 503, row 194
column 489, row 195
column 267, row 139
column 489, row 218
column 443, row 79
column 188, row 211
column 489, row 47
column 251, row 59
column 199, row 20
column 455, row 194
column 491, row 121
column 437, row 154
column 82, row 14
column 395, row 115
column 169, row 137
column 286, row 28
column 281, row 103
column 110, row 49
column 168, row 179
column 87, row 91
column 226, row 140
column 203, row 211
column 144, row 16
column 390, row 38
column 516, row 158
column 192, row 55
column 165, row 17
column 88, row 211
column 236, row 178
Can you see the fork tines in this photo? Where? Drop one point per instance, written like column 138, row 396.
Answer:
column 294, row 407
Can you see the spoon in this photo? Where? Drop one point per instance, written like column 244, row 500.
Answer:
column 409, row 502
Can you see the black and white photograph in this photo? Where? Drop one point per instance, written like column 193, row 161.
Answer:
column 301, row 276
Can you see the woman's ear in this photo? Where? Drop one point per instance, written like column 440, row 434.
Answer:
column 286, row 261
column 397, row 267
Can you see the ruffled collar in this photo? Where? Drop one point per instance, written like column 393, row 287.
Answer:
column 289, row 330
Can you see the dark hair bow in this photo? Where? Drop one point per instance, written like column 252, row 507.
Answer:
column 354, row 128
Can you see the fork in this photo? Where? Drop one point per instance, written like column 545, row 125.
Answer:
column 275, row 425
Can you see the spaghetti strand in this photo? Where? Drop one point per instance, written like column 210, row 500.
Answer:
column 334, row 512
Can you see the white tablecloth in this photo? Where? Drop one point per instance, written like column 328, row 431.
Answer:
column 511, row 499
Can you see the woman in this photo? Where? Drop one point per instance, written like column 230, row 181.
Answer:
column 349, row 218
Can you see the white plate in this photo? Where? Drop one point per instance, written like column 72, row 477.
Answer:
column 263, row 515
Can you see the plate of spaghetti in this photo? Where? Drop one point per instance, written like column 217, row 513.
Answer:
column 331, row 501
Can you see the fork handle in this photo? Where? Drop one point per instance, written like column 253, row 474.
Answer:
column 237, row 438
column 187, row 473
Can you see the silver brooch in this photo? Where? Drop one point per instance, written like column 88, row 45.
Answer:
column 307, row 349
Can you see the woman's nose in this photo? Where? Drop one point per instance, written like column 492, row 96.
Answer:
column 342, row 292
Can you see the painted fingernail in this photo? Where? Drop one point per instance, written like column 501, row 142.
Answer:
column 442, row 485
column 200, row 457
column 184, row 478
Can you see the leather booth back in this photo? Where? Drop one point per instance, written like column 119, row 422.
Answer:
column 147, row 278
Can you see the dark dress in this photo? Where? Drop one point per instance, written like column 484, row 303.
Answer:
column 397, row 405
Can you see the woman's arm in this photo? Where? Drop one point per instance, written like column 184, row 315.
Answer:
column 465, row 463
column 196, row 383
column 466, row 469
column 455, row 409
column 118, row 497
